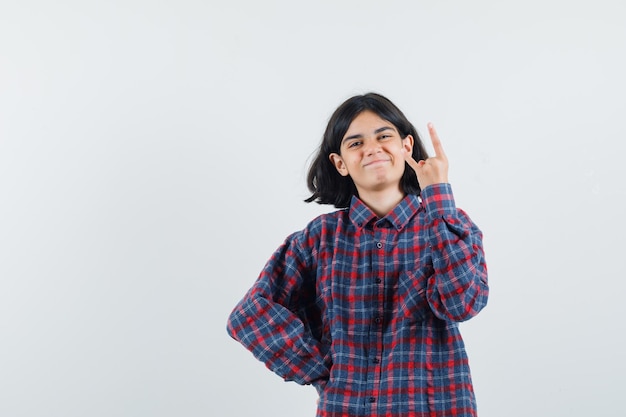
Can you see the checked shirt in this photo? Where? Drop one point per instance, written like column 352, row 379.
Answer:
column 366, row 309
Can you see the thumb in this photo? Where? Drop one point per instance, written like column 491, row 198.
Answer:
column 412, row 162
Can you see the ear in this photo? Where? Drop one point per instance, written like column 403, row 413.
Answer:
column 407, row 144
column 339, row 164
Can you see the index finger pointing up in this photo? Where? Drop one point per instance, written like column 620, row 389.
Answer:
column 435, row 140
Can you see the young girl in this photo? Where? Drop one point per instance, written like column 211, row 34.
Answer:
column 364, row 303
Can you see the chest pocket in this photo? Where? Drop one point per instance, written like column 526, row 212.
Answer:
column 410, row 297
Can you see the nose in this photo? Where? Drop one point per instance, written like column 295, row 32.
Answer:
column 372, row 147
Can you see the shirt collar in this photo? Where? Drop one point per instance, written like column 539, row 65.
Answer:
column 361, row 215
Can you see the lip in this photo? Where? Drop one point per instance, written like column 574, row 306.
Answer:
column 376, row 162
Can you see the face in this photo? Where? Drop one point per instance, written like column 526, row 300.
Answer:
column 373, row 153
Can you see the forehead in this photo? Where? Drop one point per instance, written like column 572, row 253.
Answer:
column 367, row 122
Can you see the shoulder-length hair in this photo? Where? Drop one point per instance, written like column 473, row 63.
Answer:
column 323, row 180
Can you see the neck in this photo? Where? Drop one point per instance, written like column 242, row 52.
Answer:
column 381, row 202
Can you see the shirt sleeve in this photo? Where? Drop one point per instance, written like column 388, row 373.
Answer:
column 458, row 289
column 268, row 321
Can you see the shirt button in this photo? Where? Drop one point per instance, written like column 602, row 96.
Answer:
column 378, row 280
column 378, row 320
column 372, row 399
column 376, row 360
column 379, row 245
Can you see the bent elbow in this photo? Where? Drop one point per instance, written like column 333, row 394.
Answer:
column 464, row 306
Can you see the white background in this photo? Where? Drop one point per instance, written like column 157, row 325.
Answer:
column 153, row 155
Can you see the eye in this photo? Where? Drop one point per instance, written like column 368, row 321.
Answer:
column 354, row 144
column 383, row 137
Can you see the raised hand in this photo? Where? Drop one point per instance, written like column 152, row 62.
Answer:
column 433, row 170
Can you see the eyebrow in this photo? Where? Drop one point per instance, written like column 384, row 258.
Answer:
column 360, row 135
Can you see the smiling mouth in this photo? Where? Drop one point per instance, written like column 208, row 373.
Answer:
column 377, row 162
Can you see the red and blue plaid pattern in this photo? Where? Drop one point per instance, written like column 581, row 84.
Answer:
column 366, row 309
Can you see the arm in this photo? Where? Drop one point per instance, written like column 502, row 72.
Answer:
column 265, row 320
column 458, row 289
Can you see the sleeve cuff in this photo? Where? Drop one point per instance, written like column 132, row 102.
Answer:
column 438, row 200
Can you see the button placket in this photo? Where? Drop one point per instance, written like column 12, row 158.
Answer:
column 377, row 311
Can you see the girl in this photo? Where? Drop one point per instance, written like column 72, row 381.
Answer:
column 364, row 302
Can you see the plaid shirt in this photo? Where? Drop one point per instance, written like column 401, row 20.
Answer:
column 366, row 309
